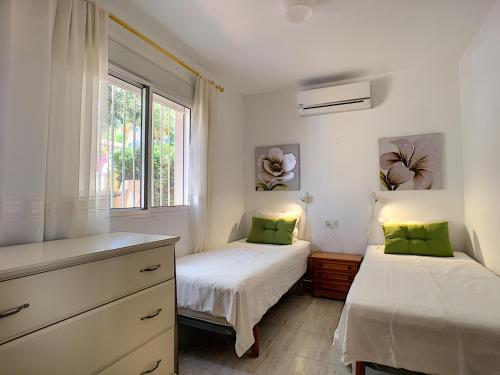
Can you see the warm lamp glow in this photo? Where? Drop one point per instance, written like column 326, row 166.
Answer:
column 292, row 207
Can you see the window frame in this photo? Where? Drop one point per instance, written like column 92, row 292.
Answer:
column 185, row 141
column 149, row 88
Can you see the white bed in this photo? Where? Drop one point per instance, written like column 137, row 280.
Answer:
column 238, row 283
column 426, row 314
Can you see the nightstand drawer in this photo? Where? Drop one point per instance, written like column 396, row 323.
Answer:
column 331, row 285
column 333, row 273
column 345, row 277
column 334, row 266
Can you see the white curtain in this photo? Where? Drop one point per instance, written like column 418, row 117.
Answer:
column 199, row 200
column 52, row 104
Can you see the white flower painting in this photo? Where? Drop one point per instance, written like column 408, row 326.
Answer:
column 277, row 168
column 411, row 163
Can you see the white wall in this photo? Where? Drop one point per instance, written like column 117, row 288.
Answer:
column 480, row 109
column 339, row 155
column 170, row 221
column 226, row 168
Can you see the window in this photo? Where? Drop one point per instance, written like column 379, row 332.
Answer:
column 169, row 119
column 131, row 146
column 124, row 144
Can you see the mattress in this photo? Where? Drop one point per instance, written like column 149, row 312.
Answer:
column 426, row 314
column 239, row 282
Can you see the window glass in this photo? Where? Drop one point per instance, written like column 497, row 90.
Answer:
column 169, row 121
column 122, row 144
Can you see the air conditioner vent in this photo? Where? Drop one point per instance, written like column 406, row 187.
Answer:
column 340, row 98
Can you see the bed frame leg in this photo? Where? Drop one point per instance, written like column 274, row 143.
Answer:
column 360, row 368
column 255, row 346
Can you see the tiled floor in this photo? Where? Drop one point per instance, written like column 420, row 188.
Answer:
column 296, row 338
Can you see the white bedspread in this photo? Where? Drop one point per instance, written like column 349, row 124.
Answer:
column 433, row 315
column 239, row 282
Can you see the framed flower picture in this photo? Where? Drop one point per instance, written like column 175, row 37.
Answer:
column 411, row 162
column 277, row 168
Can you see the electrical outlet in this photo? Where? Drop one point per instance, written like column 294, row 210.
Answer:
column 332, row 224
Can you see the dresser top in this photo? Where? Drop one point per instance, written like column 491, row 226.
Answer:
column 337, row 256
column 23, row 260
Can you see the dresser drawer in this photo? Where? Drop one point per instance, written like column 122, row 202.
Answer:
column 156, row 357
column 344, row 277
column 331, row 285
column 56, row 295
column 93, row 340
column 327, row 265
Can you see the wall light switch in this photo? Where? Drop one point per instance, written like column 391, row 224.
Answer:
column 333, row 223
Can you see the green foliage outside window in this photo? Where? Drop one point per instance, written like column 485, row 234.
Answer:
column 129, row 164
column 127, row 161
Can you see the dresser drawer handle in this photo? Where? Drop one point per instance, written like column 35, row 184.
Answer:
column 151, row 268
column 157, row 364
column 13, row 311
column 156, row 313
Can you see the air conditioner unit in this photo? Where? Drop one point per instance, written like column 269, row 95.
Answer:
column 332, row 99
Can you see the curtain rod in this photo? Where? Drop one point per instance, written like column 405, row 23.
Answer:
column 159, row 48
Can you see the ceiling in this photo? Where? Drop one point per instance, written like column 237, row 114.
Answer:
column 249, row 45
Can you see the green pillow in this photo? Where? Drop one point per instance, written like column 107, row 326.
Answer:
column 272, row 231
column 418, row 239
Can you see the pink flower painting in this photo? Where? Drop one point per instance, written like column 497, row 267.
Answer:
column 411, row 163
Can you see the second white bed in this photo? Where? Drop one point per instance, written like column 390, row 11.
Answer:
column 239, row 282
column 426, row 314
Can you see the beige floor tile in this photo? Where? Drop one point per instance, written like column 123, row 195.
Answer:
column 296, row 339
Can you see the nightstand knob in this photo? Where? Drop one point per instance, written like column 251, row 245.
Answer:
column 320, row 264
column 349, row 267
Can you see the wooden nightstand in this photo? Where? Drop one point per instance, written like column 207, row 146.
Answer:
column 333, row 274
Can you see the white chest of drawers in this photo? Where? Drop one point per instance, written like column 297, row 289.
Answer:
column 99, row 304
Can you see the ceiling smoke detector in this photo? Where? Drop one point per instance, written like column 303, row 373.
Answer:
column 298, row 11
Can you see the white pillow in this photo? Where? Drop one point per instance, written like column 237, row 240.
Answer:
column 267, row 214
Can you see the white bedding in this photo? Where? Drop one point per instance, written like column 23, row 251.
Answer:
column 427, row 314
column 239, row 282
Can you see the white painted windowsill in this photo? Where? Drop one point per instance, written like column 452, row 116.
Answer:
column 137, row 212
